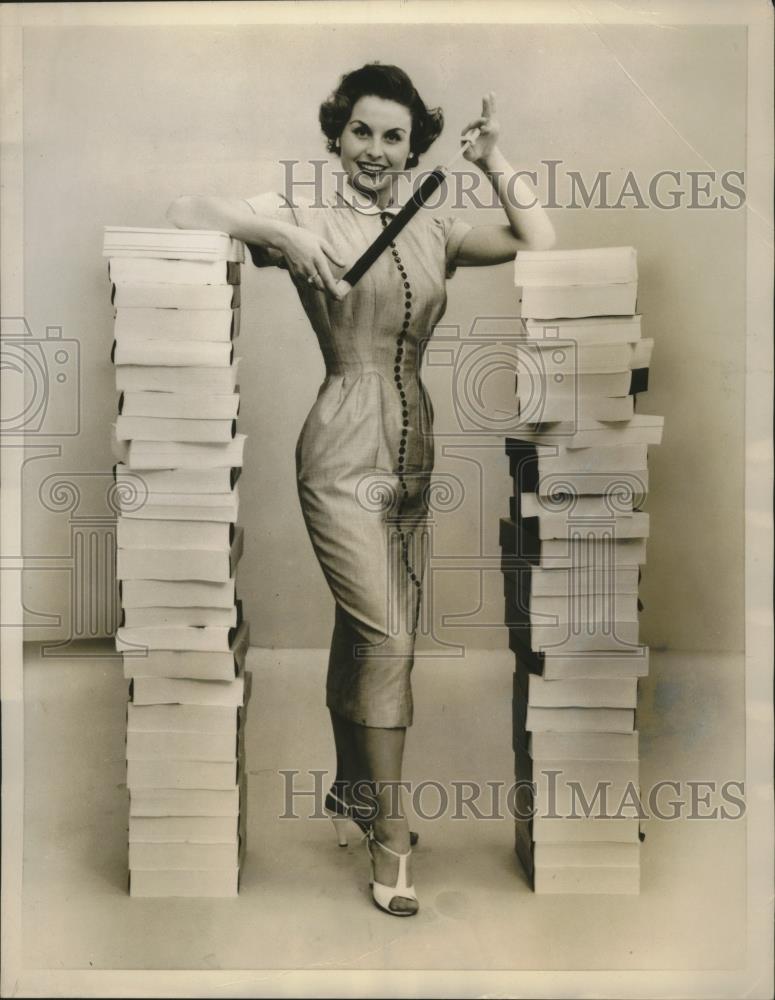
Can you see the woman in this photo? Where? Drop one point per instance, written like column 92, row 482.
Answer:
column 365, row 454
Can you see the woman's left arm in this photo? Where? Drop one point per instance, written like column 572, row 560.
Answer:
column 529, row 227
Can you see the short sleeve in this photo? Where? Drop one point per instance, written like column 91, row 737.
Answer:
column 455, row 231
column 274, row 206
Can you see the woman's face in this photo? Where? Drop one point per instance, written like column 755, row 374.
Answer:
column 375, row 145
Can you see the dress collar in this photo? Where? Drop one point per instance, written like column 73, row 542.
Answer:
column 347, row 194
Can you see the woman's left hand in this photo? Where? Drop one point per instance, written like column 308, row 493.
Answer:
column 489, row 130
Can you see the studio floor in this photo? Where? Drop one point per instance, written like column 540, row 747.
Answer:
column 304, row 902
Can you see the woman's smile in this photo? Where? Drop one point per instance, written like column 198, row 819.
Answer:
column 375, row 145
column 371, row 168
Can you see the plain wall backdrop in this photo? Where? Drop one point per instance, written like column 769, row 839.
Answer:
column 118, row 122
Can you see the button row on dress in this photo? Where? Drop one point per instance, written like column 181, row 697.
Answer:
column 397, row 369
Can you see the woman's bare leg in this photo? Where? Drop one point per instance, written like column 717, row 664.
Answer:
column 347, row 764
column 369, row 763
column 380, row 754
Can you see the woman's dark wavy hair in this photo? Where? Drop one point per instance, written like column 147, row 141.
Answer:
column 392, row 84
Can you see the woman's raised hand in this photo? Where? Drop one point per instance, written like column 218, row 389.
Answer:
column 308, row 256
column 489, row 130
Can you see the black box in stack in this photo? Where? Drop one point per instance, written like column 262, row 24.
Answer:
column 183, row 637
column 572, row 550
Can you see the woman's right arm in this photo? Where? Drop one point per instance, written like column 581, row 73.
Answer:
column 306, row 253
column 229, row 215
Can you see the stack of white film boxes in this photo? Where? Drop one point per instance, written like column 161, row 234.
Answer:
column 182, row 636
column 572, row 549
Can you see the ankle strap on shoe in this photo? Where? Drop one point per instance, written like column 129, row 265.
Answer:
column 385, row 847
column 337, row 799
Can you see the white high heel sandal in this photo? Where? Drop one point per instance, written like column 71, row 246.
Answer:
column 342, row 814
column 384, row 895
column 340, row 827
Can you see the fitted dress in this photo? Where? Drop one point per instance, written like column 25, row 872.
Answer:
column 364, row 456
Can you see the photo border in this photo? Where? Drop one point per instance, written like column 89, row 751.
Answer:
column 756, row 978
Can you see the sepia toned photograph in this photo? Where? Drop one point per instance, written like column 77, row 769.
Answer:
column 386, row 441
